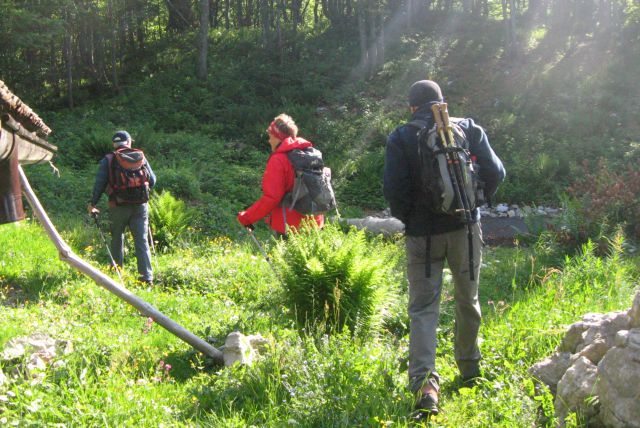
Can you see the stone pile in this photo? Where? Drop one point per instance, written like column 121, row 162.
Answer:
column 595, row 371
column 515, row 210
column 383, row 223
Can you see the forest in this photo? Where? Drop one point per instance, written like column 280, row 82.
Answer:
column 554, row 83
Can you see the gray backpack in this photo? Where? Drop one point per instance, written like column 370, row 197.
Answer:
column 435, row 170
column 312, row 192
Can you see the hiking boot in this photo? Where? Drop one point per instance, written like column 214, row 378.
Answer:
column 147, row 282
column 428, row 404
column 471, row 380
column 427, row 401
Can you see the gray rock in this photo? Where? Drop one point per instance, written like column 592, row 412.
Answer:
column 622, row 339
column 618, row 388
column 242, row 349
column 633, row 341
column 634, row 312
column 576, row 386
column 595, row 350
column 550, row 370
column 502, row 208
column 386, row 226
column 607, row 327
column 573, row 338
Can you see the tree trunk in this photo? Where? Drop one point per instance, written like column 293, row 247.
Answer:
column 264, row 24
column 203, row 40
column 279, row 32
column 114, row 46
column 373, row 54
column 362, row 33
column 68, row 53
column 227, row 14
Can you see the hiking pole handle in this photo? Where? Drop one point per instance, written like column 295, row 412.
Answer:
column 447, row 125
column 437, row 117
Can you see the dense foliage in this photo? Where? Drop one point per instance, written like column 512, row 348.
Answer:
column 553, row 82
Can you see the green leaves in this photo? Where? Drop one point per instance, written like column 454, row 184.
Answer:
column 169, row 217
column 333, row 281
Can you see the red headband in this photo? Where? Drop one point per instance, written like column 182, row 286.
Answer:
column 273, row 130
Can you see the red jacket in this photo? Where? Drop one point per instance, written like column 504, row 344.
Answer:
column 278, row 180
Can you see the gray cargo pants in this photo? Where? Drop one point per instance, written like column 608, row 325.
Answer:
column 424, row 302
column 136, row 217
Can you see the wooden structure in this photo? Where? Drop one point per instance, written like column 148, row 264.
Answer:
column 22, row 142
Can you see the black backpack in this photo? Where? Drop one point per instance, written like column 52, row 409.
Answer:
column 128, row 177
column 435, row 172
column 312, row 192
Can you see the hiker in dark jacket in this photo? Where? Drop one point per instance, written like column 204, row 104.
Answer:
column 433, row 238
column 278, row 180
column 132, row 215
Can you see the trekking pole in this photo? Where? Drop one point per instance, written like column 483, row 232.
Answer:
column 250, row 230
column 106, row 244
column 458, row 180
column 153, row 246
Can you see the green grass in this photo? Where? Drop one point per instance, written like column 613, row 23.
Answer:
column 116, row 374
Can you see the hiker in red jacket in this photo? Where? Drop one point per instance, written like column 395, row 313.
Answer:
column 278, row 180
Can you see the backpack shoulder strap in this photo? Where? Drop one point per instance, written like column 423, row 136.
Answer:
column 417, row 123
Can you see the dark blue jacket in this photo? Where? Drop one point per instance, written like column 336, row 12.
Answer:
column 402, row 184
column 102, row 179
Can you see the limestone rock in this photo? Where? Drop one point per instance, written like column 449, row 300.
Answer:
column 634, row 312
column 606, row 328
column 576, row 386
column 242, row 349
column 37, row 345
column 618, row 387
column 550, row 370
column 376, row 225
column 595, row 350
column 573, row 338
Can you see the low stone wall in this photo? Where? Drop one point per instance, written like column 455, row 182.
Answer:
column 596, row 369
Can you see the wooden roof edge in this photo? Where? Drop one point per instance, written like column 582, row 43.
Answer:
column 22, row 110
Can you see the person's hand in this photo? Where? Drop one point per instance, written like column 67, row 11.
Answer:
column 93, row 211
column 242, row 218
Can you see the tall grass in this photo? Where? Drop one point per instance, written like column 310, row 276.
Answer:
column 126, row 371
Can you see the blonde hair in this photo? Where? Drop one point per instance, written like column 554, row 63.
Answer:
column 286, row 125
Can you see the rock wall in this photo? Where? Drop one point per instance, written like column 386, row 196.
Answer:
column 595, row 371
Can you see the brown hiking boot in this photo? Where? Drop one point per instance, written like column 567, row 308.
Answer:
column 427, row 400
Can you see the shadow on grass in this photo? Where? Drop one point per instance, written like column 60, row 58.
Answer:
column 187, row 364
column 20, row 290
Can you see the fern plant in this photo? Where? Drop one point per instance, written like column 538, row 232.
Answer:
column 169, row 218
column 334, row 280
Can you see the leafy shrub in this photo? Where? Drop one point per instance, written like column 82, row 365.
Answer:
column 607, row 199
column 334, row 279
column 169, row 218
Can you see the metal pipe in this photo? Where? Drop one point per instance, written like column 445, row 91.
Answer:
column 68, row 256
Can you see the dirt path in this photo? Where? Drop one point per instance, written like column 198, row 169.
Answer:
column 502, row 230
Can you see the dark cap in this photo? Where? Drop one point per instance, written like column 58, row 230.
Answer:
column 121, row 137
column 424, row 91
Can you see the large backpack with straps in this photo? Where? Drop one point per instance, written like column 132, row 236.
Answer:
column 435, row 170
column 128, row 177
column 312, row 192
